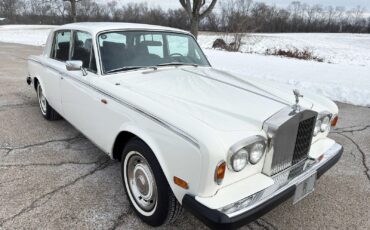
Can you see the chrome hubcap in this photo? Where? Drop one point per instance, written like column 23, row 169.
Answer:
column 141, row 182
column 42, row 99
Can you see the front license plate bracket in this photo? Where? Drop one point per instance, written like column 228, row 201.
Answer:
column 305, row 187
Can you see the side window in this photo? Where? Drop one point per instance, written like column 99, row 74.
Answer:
column 178, row 44
column 83, row 50
column 62, row 42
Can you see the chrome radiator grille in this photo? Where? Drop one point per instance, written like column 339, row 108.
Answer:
column 290, row 136
column 303, row 139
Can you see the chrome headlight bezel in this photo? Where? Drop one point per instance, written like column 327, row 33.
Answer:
column 323, row 123
column 246, row 145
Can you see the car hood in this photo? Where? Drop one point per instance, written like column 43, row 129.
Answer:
column 216, row 98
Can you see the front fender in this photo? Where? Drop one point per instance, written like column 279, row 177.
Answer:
column 176, row 156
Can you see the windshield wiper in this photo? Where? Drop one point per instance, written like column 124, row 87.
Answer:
column 130, row 68
column 125, row 68
column 177, row 64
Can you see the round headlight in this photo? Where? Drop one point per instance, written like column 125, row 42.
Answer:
column 256, row 153
column 239, row 160
column 325, row 124
column 317, row 127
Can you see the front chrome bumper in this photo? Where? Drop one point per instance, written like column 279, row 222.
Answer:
column 256, row 205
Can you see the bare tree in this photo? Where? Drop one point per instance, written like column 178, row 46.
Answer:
column 73, row 9
column 195, row 12
column 8, row 8
column 236, row 22
column 235, row 17
column 61, row 8
column 112, row 6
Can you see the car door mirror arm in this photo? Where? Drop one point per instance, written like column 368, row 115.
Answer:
column 84, row 71
column 76, row 66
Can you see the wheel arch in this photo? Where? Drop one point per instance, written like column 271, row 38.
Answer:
column 128, row 132
column 120, row 142
column 35, row 82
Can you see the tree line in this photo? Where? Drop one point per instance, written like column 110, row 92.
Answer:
column 219, row 16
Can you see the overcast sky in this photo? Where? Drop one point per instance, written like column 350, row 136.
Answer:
column 347, row 3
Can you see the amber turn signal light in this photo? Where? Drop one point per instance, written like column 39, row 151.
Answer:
column 334, row 121
column 181, row 182
column 220, row 172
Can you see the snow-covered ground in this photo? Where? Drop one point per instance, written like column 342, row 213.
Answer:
column 346, row 80
column 24, row 34
column 351, row 49
column 340, row 82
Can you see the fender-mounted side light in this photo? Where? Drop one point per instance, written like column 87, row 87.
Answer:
column 180, row 182
column 220, row 172
column 334, row 121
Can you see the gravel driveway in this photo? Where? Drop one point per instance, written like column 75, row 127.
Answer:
column 52, row 177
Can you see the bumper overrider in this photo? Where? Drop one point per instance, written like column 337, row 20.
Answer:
column 258, row 204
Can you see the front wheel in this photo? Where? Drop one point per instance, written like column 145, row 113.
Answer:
column 46, row 110
column 146, row 186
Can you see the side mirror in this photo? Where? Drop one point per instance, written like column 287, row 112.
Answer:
column 75, row 66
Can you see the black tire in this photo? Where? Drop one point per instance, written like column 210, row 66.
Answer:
column 46, row 110
column 167, row 208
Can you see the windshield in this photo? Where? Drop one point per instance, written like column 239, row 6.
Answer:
column 127, row 50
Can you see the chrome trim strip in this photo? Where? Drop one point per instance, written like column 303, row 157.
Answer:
column 163, row 123
column 44, row 65
column 36, row 61
column 284, row 180
column 102, row 73
column 241, row 88
column 253, row 85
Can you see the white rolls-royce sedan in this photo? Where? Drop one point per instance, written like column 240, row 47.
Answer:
column 225, row 147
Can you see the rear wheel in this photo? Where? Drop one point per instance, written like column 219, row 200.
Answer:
column 46, row 110
column 146, row 186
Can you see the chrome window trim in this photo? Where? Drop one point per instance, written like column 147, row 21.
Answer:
column 140, row 30
column 92, row 51
column 53, row 50
column 163, row 123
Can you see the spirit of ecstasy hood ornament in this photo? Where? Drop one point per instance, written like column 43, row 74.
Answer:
column 297, row 95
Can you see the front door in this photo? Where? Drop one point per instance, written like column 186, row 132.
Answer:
column 80, row 99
